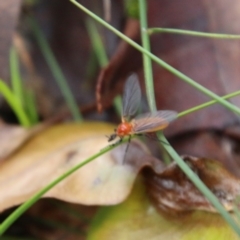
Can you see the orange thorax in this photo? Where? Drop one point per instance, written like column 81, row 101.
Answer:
column 124, row 129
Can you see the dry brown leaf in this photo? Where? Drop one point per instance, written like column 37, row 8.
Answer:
column 104, row 181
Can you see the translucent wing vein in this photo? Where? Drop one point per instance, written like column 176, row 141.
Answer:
column 151, row 122
column 131, row 97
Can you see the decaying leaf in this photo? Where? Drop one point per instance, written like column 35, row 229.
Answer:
column 104, row 181
column 173, row 192
column 137, row 219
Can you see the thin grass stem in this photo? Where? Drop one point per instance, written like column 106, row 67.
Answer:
column 207, row 104
column 192, row 33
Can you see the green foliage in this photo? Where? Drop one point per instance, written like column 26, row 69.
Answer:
column 132, row 8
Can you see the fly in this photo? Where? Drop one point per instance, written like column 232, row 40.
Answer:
column 144, row 123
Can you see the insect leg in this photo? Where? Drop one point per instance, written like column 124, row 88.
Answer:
column 155, row 138
column 129, row 140
column 112, row 145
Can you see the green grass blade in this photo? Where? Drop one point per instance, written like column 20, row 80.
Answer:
column 207, row 104
column 56, row 70
column 97, row 43
column 30, row 106
column 14, row 104
column 16, row 80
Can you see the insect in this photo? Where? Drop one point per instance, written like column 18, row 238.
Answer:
column 144, row 123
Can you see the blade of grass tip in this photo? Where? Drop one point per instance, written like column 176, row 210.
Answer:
column 131, row 8
column 159, row 61
column 207, row 104
column 14, row 104
column 25, row 206
column 55, row 69
column 185, row 168
column 192, row 33
column 16, row 80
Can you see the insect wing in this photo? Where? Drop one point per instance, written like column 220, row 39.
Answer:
column 131, row 97
column 152, row 122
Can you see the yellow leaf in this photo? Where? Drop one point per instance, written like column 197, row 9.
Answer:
column 104, row 181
